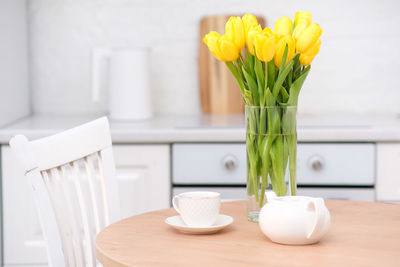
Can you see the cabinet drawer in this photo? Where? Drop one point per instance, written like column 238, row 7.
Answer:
column 209, row 163
column 336, row 164
column 388, row 172
column 317, row 164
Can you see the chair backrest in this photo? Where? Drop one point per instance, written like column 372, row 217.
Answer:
column 72, row 175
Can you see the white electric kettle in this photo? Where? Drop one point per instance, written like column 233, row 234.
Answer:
column 294, row 220
column 127, row 73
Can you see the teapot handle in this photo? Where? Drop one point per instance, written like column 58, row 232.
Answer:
column 270, row 195
column 318, row 205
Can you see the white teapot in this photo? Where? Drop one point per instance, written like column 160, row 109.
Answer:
column 294, row 220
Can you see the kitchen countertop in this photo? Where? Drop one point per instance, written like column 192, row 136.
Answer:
column 214, row 128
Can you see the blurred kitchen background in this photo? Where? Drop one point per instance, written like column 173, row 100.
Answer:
column 355, row 71
column 349, row 111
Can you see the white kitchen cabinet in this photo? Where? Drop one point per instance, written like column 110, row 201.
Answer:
column 388, row 172
column 143, row 174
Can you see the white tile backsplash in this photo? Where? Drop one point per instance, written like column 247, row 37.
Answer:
column 14, row 71
column 356, row 70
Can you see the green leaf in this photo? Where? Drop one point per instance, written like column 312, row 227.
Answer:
column 259, row 71
column 260, row 79
column 274, row 121
column 289, row 78
column 234, row 71
column 269, row 98
column 285, row 95
column 265, row 76
column 296, row 66
column 281, row 77
column 271, row 74
column 249, row 97
column 250, row 62
column 252, row 86
column 284, row 57
column 296, row 87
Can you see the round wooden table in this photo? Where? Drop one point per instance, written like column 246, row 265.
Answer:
column 361, row 234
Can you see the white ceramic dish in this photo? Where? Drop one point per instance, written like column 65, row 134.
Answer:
column 294, row 220
column 221, row 222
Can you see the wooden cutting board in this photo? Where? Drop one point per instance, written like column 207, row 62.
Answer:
column 219, row 92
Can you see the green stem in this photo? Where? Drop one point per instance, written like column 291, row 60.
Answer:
column 292, row 163
column 251, row 145
column 265, row 167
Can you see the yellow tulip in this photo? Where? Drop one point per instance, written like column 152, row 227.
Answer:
column 283, row 26
column 268, row 31
column 307, row 58
column 251, row 35
column 302, row 17
column 301, row 20
column 229, row 51
column 221, row 47
column 298, row 30
column 280, row 49
column 265, row 46
column 211, row 40
column 248, row 22
column 234, row 31
column 308, row 38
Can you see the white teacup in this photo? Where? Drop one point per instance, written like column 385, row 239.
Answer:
column 198, row 209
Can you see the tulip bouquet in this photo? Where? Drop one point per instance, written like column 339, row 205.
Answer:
column 270, row 68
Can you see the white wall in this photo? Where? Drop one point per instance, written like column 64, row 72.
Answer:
column 356, row 70
column 14, row 76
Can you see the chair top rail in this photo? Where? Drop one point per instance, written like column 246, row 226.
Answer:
column 70, row 145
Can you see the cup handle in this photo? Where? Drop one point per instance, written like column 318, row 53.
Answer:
column 318, row 205
column 175, row 203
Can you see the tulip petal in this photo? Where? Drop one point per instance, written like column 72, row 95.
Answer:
column 259, row 41
column 280, row 49
column 251, row 35
column 298, row 30
column 283, row 26
column 269, row 49
column 302, row 17
column 306, row 60
column 228, row 50
column 313, row 51
column 234, row 31
column 308, row 57
column 308, row 37
column 212, row 40
column 248, row 22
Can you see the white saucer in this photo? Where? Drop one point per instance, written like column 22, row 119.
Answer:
column 221, row 222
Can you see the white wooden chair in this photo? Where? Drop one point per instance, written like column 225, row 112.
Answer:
column 74, row 188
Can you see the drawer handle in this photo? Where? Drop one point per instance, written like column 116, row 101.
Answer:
column 316, row 163
column 230, row 162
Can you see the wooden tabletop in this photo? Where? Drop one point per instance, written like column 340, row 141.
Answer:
column 361, row 234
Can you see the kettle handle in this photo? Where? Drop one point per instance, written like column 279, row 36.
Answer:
column 98, row 56
column 317, row 204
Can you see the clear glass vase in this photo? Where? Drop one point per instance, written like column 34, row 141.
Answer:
column 271, row 145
